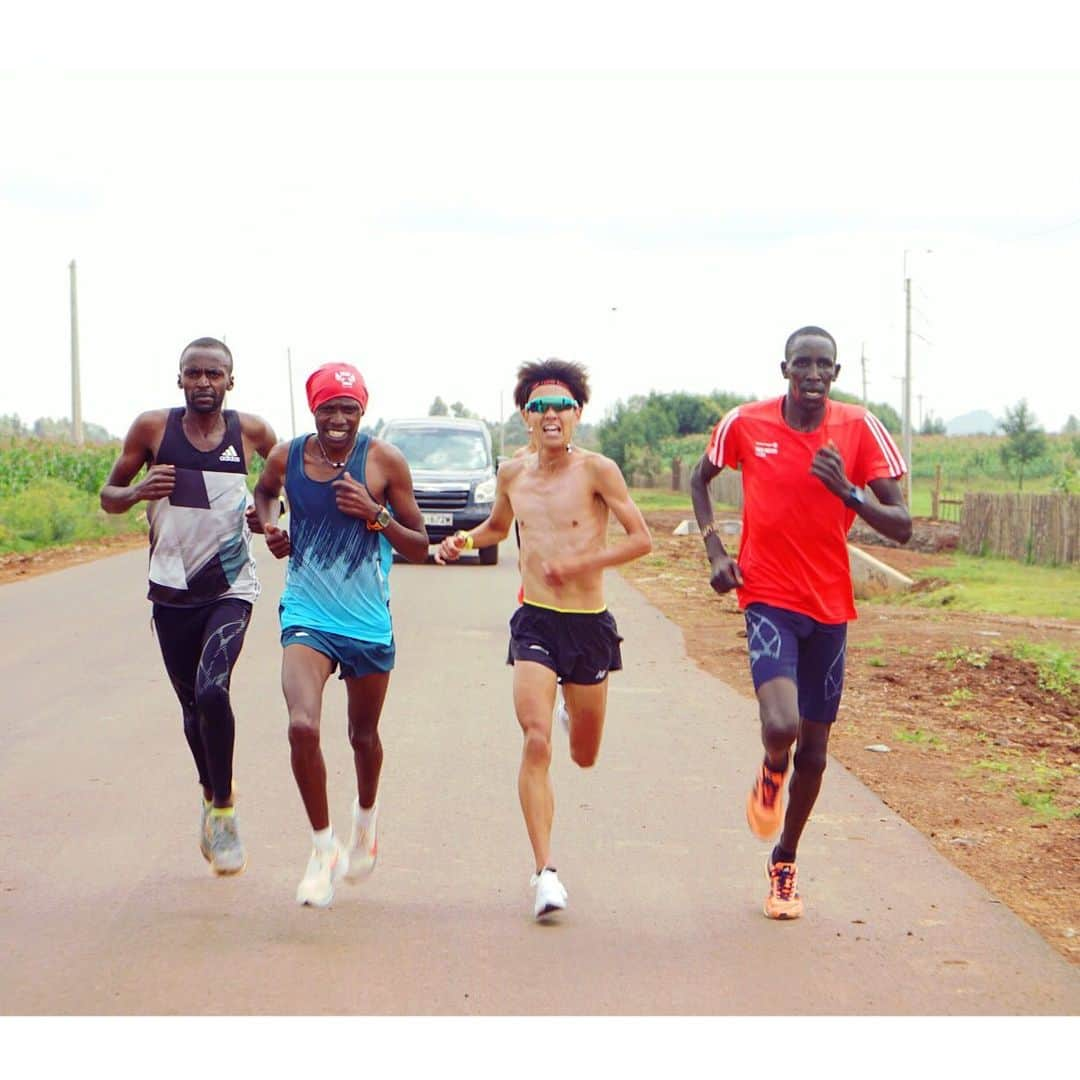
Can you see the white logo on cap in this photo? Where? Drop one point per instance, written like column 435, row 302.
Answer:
column 346, row 378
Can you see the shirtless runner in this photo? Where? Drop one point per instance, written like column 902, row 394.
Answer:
column 562, row 633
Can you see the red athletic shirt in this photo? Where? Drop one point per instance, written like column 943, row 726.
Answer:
column 793, row 550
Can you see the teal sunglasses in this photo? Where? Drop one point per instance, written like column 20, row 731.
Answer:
column 542, row 404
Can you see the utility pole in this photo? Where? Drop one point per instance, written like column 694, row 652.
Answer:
column 907, row 380
column 864, row 374
column 292, row 402
column 76, row 393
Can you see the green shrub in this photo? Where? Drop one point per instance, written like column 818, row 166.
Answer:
column 50, row 512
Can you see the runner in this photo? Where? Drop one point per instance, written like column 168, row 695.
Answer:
column 805, row 464
column 351, row 505
column 562, row 633
column 202, row 574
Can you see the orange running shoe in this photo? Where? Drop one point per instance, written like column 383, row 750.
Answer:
column 765, row 803
column 783, row 901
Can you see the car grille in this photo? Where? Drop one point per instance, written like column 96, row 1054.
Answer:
column 455, row 499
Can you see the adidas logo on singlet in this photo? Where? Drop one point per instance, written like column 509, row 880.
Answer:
column 229, row 454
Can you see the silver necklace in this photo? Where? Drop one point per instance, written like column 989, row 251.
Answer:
column 336, row 464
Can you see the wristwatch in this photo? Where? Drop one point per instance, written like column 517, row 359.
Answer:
column 855, row 498
column 381, row 520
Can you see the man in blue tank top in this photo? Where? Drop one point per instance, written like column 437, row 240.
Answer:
column 351, row 505
column 202, row 575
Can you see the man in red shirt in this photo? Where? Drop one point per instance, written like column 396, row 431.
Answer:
column 806, row 462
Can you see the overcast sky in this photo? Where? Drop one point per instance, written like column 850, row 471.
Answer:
column 442, row 194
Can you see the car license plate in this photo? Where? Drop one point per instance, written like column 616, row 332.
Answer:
column 437, row 519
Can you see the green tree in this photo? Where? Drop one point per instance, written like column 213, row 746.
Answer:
column 457, row 409
column 438, row 408
column 1024, row 439
column 12, row 426
column 643, row 424
column 1072, row 426
column 932, row 425
column 885, row 413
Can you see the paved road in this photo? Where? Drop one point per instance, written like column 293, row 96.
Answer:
column 106, row 906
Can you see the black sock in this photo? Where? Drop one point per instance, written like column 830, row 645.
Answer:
column 780, row 855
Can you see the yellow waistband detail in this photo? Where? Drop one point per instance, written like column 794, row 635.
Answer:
column 564, row 610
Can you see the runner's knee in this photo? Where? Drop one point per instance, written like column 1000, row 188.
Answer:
column 778, row 728
column 363, row 737
column 537, row 749
column 584, row 756
column 303, row 730
column 212, row 701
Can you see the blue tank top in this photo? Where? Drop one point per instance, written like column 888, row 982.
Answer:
column 338, row 579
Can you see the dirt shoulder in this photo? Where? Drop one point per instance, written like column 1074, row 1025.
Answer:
column 15, row 567
column 939, row 718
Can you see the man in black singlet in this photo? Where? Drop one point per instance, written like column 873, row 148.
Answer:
column 202, row 574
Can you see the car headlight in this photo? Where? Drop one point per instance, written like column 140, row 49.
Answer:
column 485, row 491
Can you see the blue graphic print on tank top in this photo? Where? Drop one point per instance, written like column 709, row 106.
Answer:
column 338, row 578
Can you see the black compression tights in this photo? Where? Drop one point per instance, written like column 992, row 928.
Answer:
column 200, row 645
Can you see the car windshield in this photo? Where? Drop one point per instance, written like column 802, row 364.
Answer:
column 439, row 448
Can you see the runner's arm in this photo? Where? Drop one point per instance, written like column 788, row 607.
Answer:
column 118, row 494
column 888, row 516
column 259, row 437
column 268, row 500
column 611, row 487
column 494, row 528
column 406, row 531
column 258, row 434
column 724, row 570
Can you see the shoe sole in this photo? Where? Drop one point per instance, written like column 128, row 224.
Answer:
column 228, row 871
column 316, row 903
column 783, row 917
column 551, row 909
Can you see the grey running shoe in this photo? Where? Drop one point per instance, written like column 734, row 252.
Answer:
column 227, row 855
column 204, row 830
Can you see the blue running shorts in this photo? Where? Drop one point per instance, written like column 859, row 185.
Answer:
column 786, row 644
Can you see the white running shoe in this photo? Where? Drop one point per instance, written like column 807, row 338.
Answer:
column 363, row 844
column 550, row 894
column 324, row 870
column 562, row 714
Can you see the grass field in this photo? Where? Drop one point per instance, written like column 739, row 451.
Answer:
column 974, row 583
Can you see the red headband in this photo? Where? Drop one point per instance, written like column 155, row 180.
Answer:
column 552, row 382
column 334, row 381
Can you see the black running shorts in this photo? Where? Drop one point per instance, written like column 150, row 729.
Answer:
column 580, row 647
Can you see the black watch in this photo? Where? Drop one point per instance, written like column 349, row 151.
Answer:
column 855, row 498
column 381, row 520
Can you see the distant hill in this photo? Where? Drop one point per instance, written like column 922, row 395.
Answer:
column 979, row 422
